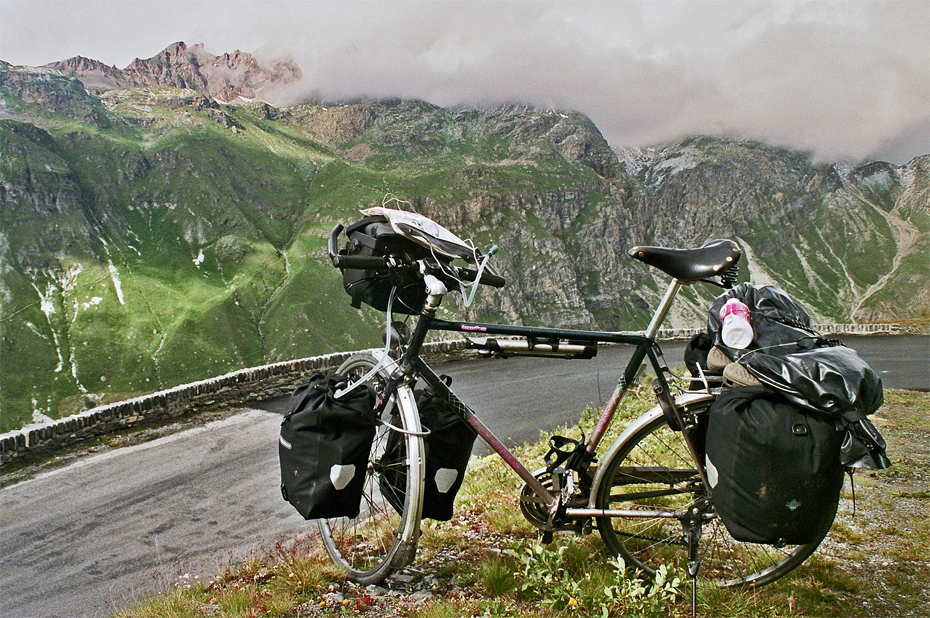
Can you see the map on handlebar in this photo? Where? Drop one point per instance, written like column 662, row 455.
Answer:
column 426, row 232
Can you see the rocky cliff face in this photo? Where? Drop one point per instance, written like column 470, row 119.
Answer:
column 51, row 92
column 151, row 235
column 808, row 227
column 803, row 225
column 227, row 77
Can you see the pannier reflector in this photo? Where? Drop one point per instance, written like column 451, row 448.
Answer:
column 445, row 478
column 341, row 475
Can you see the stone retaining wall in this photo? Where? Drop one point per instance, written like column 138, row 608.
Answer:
column 826, row 330
column 235, row 388
column 242, row 387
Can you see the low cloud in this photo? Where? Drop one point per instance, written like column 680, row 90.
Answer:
column 843, row 80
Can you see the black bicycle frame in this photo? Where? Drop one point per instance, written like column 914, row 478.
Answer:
column 645, row 348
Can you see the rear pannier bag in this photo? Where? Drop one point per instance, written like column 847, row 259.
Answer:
column 324, row 446
column 448, row 450
column 374, row 236
column 789, row 357
column 774, row 469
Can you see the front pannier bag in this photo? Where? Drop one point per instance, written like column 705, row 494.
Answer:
column 774, row 469
column 324, row 447
column 448, row 450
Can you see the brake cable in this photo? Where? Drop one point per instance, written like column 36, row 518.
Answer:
column 384, row 355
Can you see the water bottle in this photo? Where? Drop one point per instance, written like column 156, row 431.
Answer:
column 737, row 331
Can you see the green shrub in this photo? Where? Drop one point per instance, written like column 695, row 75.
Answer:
column 565, row 584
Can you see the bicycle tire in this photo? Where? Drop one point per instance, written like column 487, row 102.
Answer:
column 652, row 452
column 383, row 536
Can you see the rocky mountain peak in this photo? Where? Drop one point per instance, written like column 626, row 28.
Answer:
column 226, row 77
column 92, row 73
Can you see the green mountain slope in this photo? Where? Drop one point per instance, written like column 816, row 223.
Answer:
column 152, row 236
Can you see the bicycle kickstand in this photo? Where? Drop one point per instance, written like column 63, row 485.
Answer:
column 692, row 532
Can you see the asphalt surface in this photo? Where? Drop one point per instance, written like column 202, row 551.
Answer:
column 114, row 527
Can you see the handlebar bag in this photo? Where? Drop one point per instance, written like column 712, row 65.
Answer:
column 774, row 468
column 374, row 237
column 324, row 446
column 448, row 450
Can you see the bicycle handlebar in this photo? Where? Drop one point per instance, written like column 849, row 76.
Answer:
column 333, row 240
column 357, row 262
column 491, row 279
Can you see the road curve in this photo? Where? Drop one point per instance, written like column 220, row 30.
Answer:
column 113, row 528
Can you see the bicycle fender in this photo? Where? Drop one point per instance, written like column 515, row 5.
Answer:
column 406, row 401
column 408, row 406
column 682, row 401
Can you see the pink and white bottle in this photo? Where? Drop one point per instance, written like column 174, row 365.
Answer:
column 737, row 331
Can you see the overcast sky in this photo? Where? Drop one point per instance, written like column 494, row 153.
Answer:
column 844, row 79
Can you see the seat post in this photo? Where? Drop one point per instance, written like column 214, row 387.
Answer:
column 662, row 310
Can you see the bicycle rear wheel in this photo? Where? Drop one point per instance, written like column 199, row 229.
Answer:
column 653, row 471
column 383, row 536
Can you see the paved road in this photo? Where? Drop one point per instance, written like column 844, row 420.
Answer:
column 110, row 529
column 82, row 540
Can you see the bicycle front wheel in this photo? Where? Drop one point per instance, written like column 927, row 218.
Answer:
column 383, row 536
column 653, row 471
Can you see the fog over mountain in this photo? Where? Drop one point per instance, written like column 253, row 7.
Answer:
column 844, row 80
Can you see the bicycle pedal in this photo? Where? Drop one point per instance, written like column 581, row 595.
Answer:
column 545, row 536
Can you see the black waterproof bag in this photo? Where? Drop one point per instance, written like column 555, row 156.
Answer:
column 324, row 447
column 373, row 236
column 448, row 450
column 774, row 468
column 788, row 356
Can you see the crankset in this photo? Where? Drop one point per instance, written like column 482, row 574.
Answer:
column 537, row 513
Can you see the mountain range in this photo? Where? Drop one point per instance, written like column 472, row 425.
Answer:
column 165, row 223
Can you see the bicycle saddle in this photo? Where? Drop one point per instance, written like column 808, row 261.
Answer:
column 690, row 264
